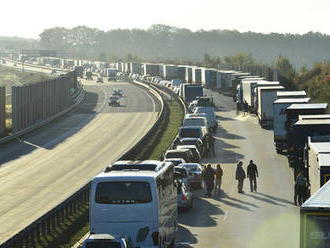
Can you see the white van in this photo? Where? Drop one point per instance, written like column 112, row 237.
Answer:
column 139, row 203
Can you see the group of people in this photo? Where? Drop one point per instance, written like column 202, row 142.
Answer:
column 212, row 179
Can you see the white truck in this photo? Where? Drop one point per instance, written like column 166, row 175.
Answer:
column 266, row 98
column 317, row 161
column 254, row 92
column 279, row 120
column 246, row 89
column 291, row 94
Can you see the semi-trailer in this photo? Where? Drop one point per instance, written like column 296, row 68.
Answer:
column 190, row 92
column 291, row 94
column 266, row 98
column 315, row 219
column 279, row 120
column 317, row 161
column 254, row 91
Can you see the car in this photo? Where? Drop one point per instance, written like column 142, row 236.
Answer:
column 193, row 141
column 117, row 92
column 194, row 174
column 193, row 132
column 107, row 240
column 99, row 80
column 183, row 172
column 194, row 151
column 53, row 71
column 183, row 154
column 184, row 196
column 176, row 161
column 114, row 101
column 15, row 64
column 195, row 122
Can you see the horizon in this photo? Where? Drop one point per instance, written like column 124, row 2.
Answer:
column 299, row 16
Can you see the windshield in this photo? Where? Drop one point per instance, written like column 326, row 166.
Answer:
column 103, row 244
column 194, row 122
column 123, row 192
column 190, row 132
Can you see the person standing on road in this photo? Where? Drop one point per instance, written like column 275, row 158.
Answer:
column 300, row 189
column 209, row 180
column 211, row 141
column 252, row 174
column 240, row 176
column 218, row 179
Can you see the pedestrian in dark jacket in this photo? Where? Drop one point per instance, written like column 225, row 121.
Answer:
column 209, row 179
column 252, row 174
column 240, row 176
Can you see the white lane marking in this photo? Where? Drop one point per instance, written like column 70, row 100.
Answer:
column 105, row 99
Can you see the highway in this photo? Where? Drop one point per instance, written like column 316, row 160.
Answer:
column 266, row 218
column 45, row 167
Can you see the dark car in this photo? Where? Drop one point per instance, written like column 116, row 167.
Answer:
column 193, row 141
column 194, row 151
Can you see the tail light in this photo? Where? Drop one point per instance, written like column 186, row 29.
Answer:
column 155, row 238
column 184, row 197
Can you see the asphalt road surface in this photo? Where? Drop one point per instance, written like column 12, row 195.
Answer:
column 45, row 167
column 266, row 218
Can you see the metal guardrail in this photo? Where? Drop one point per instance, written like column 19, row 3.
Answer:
column 33, row 234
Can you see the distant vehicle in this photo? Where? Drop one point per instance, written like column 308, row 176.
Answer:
column 211, row 117
column 193, row 141
column 53, row 71
column 114, row 101
column 183, row 172
column 196, row 122
column 99, row 80
column 14, row 64
column 3, row 61
column 88, row 75
column 193, row 132
column 197, row 156
column 190, row 92
column 141, row 204
column 184, row 196
column 79, row 71
column 108, row 241
column 194, row 174
column 176, row 161
column 183, row 153
column 118, row 92
column 111, row 74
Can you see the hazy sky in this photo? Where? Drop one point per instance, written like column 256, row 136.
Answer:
column 28, row 18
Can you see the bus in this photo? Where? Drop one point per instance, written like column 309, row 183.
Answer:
column 138, row 199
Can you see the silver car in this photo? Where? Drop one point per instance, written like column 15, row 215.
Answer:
column 184, row 196
column 194, row 174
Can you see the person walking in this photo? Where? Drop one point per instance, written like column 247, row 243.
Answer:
column 211, row 141
column 218, row 179
column 209, row 179
column 240, row 176
column 252, row 174
column 300, row 189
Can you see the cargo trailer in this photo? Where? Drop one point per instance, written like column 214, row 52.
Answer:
column 279, row 120
column 315, row 219
column 266, row 98
column 291, row 94
column 254, row 91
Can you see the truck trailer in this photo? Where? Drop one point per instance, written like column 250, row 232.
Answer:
column 266, row 98
column 317, row 161
column 254, row 91
column 190, row 92
column 315, row 219
column 291, row 94
column 279, row 120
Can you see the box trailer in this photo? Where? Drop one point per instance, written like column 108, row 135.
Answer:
column 254, row 91
column 197, row 75
column 315, row 219
column 245, row 94
column 279, row 120
column 317, row 161
column 266, row 98
column 210, row 78
column 190, row 92
column 188, row 74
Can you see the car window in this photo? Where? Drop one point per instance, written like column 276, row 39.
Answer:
column 103, row 244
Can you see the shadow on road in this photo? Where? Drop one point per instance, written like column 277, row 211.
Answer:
column 277, row 199
column 184, row 238
column 225, row 196
column 224, row 134
column 264, row 199
column 202, row 213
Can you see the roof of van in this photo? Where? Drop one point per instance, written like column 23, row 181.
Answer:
column 308, row 106
column 320, row 199
column 292, row 100
column 291, row 93
column 144, row 165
